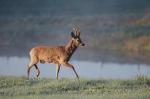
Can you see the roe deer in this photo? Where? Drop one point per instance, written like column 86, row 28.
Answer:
column 59, row 55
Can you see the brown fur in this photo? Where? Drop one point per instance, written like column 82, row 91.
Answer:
column 55, row 54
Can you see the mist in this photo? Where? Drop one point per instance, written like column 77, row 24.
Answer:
column 105, row 25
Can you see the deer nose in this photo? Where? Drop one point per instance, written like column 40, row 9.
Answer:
column 82, row 44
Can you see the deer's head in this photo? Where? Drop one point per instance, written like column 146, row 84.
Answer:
column 75, row 35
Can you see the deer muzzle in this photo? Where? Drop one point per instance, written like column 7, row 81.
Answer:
column 82, row 44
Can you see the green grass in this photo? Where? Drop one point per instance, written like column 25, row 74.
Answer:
column 44, row 88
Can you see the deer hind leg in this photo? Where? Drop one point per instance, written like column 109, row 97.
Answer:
column 32, row 63
column 57, row 70
column 71, row 66
column 29, row 68
column 38, row 71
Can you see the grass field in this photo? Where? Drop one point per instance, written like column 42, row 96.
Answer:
column 44, row 88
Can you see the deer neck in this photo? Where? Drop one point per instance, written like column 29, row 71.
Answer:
column 70, row 48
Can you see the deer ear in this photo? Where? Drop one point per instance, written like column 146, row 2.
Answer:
column 73, row 35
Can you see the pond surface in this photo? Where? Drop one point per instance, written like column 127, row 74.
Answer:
column 17, row 66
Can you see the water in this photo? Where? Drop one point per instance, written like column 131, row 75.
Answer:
column 17, row 66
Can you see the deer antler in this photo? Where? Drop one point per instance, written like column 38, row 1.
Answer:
column 76, row 30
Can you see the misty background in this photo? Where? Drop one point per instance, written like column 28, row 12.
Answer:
column 109, row 27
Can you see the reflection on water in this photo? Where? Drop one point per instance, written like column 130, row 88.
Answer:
column 16, row 66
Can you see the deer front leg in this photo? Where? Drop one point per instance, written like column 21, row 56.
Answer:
column 57, row 70
column 71, row 66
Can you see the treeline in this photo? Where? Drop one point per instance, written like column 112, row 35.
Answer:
column 71, row 7
column 117, row 27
